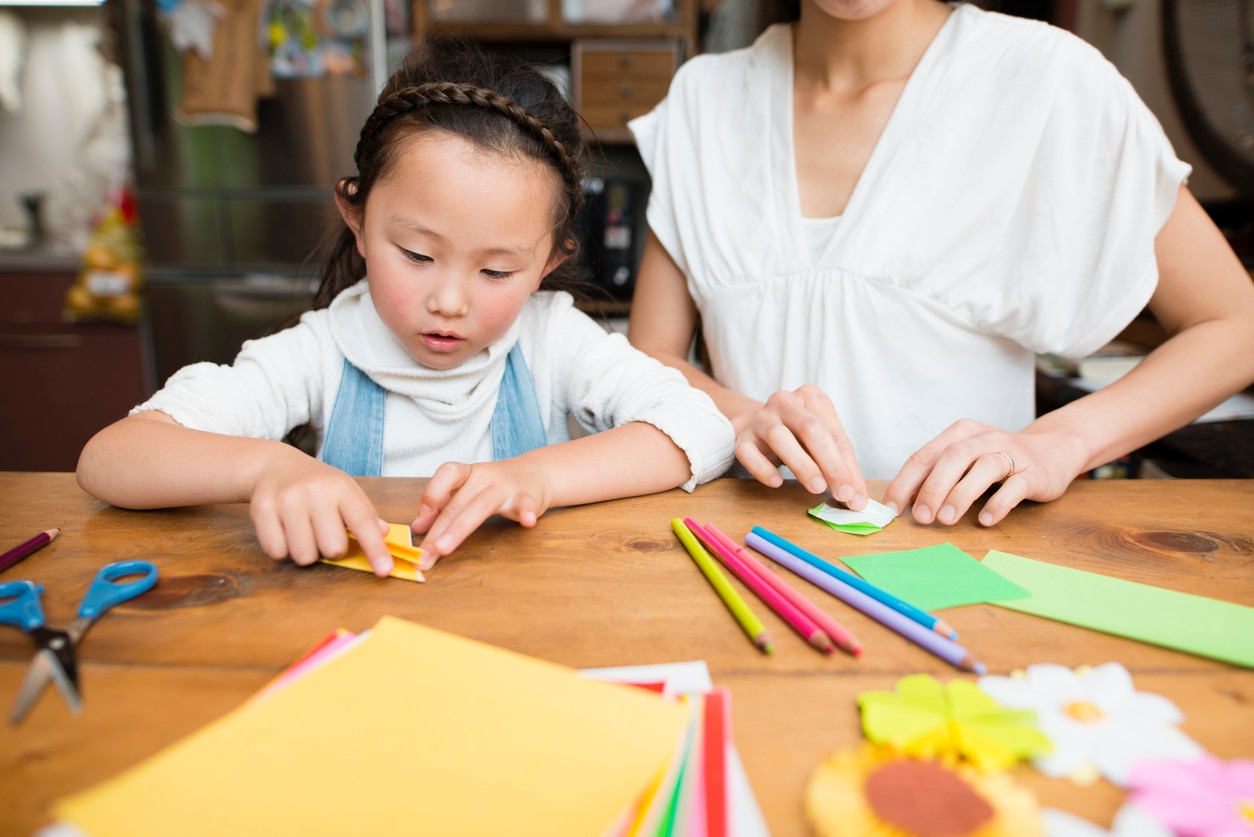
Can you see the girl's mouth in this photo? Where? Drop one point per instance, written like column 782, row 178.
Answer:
column 441, row 342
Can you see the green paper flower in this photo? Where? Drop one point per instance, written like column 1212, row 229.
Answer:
column 951, row 722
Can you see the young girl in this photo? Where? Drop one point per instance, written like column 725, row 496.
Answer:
column 429, row 343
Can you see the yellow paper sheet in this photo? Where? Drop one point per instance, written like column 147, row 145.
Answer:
column 400, row 542
column 413, row 731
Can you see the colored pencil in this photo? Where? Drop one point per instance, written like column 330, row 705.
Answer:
column 941, row 646
column 748, row 620
column 20, row 551
column 783, row 608
column 838, row 633
column 883, row 596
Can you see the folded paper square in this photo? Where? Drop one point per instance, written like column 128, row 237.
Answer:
column 400, row 542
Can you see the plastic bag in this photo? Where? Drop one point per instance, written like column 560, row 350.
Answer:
column 111, row 275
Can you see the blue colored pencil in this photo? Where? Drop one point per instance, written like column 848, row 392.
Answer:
column 924, row 618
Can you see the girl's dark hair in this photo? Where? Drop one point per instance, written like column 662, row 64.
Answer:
column 498, row 102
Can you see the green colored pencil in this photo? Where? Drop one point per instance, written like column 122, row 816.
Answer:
column 748, row 620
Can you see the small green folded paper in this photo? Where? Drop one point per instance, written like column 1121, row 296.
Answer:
column 866, row 522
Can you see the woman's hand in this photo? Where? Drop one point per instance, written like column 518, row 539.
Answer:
column 460, row 497
column 800, row 430
column 945, row 477
column 300, row 509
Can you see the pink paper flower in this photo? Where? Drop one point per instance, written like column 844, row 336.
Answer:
column 1204, row 797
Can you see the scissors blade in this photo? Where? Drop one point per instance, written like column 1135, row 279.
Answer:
column 43, row 668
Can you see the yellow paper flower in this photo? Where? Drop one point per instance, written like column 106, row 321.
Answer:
column 874, row 792
column 953, row 721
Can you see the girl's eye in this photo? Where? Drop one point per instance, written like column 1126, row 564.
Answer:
column 497, row 274
column 415, row 257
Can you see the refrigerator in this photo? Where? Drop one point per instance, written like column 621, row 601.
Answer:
column 232, row 208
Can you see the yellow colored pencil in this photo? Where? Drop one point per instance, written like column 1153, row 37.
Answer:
column 748, row 620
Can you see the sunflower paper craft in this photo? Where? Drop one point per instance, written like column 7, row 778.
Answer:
column 1096, row 719
column 875, row 792
column 954, row 721
column 1203, row 797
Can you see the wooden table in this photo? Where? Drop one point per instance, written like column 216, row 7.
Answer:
column 601, row 585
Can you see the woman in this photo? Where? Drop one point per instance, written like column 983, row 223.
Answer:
column 879, row 214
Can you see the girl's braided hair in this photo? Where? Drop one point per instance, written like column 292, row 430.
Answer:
column 501, row 104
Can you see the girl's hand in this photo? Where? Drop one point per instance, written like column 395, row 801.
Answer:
column 300, row 508
column 460, row 497
column 800, row 429
column 949, row 474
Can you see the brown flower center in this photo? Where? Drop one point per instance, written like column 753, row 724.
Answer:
column 925, row 799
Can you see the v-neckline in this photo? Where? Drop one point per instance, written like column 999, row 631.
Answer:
column 894, row 125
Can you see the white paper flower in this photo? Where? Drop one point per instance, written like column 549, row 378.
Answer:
column 1095, row 718
column 1130, row 821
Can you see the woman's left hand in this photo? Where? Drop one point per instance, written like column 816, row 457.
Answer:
column 945, row 477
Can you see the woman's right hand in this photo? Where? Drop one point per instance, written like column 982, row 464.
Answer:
column 800, row 430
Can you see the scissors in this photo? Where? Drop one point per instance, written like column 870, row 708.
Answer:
column 56, row 659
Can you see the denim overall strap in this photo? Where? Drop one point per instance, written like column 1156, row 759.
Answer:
column 516, row 423
column 354, row 438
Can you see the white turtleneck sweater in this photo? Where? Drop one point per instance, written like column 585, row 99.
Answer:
column 435, row 416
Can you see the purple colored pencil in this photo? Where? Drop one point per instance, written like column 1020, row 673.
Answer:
column 948, row 650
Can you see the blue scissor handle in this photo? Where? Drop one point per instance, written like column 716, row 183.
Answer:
column 23, row 609
column 105, row 590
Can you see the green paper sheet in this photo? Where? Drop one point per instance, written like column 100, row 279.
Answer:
column 934, row 577
column 1185, row 622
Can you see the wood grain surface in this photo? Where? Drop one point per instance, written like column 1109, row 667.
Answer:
column 601, row 585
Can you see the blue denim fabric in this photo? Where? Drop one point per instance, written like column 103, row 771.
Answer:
column 354, row 437
column 517, row 426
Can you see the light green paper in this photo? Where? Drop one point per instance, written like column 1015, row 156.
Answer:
column 934, row 577
column 1157, row 615
column 925, row 719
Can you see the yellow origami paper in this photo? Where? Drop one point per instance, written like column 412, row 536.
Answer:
column 400, row 543
column 953, row 722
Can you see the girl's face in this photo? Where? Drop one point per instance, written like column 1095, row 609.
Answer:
column 455, row 239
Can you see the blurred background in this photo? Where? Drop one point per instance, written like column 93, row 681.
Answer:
column 166, row 165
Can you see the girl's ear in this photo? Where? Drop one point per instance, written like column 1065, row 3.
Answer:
column 555, row 261
column 352, row 216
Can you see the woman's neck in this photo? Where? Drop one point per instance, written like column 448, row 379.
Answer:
column 842, row 56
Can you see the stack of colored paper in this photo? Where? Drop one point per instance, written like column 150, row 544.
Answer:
column 704, row 791
column 404, row 729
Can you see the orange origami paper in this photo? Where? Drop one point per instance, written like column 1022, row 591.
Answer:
column 400, row 543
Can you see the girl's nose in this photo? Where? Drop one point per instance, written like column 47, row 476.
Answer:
column 447, row 298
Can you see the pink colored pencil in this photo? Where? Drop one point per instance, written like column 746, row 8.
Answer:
column 838, row 633
column 786, row 610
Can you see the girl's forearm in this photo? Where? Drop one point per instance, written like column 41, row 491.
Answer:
column 626, row 461
column 150, row 461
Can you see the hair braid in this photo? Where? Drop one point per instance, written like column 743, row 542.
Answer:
column 413, row 98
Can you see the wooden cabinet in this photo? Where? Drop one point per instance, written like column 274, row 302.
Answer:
column 60, row 382
column 613, row 82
